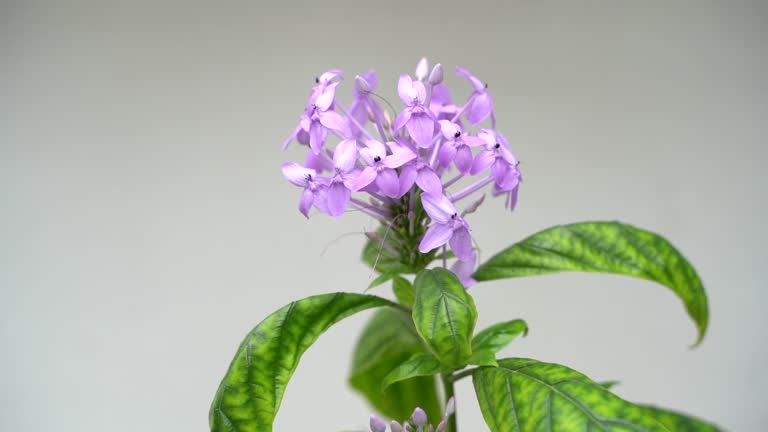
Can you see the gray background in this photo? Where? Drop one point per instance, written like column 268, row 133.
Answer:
column 145, row 227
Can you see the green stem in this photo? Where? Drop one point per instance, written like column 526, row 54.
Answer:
column 448, row 387
column 462, row 374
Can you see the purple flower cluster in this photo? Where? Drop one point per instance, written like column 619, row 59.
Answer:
column 417, row 423
column 405, row 163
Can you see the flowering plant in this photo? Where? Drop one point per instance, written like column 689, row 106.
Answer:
column 410, row 165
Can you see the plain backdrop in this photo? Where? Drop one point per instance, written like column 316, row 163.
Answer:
column 145, row 227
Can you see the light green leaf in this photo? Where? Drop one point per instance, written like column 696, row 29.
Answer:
column 250, row 393
column 609, row 384
column 388, row 340
column 605, row 247
column 497, row 336
column 418, row 365
column 380, row 279
column 677, row 422
column 524, row 395
column 403, row 290
column 483, row 357
column 445, row 315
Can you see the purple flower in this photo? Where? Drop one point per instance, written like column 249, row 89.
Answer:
column 418, row 121
column 318, row 117
column 340, row 185
column 417, row 171
column 480, row 104
column 464, row 269
column 448, row 227
column 441, row 105
column 381, row 168
column 314, row 187
column 496, row 155
column 456, row 147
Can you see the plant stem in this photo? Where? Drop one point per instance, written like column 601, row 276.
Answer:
column 448, row 388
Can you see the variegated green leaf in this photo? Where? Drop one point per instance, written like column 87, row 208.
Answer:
column 606, row 247
column 677, row 422
column 445, row 315
column 497, row 336
column 418, row 365
column 250, row 393
column 524, row 395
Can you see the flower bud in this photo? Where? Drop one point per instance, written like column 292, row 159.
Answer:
column 419, row 417
column 450, row 406
column 362, row 85
column 436, row 76
column 422, row 69
column 395, row 426
column 442, row 426
column 377, row 424
column 470, row 209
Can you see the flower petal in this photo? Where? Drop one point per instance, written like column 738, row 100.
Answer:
column 366, row 177
column 305, row 203
column 334, row 121
column 421, row 128
column 478, row 85
column 345, row 155
column 437, row 235
column 407, row 179
column 480, row 107
column 325, row 97
column 405, row 89
column 463, row 159
column 297, row 174
column 420, row 92
column 388, row 182
column 317, row 136
column 402, row 119
column 461, row 244
column 439, row 208
column 429, row 182
column 337, row 198
column 482, row 161
column 447, row 153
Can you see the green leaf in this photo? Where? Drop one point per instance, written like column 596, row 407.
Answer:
column 380, row 279
column 403, row 290
column 497, row 336
column 380, row 258
column 388, row 340
column 483, row 357
column 445, row 315
column 524, row 395
column 609, row 384
column 250, row 393
column 605, row 247
column 678, row 422
column 418, row 365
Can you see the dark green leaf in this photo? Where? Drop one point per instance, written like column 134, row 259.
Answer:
column 677, row 422
column 388, row 340
column 606, row 247
column 403, row 290
column 445, row 315
column 524, row 395
column 497, row 336
column 250, row 393
column 483, row 357
column 418, row 365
